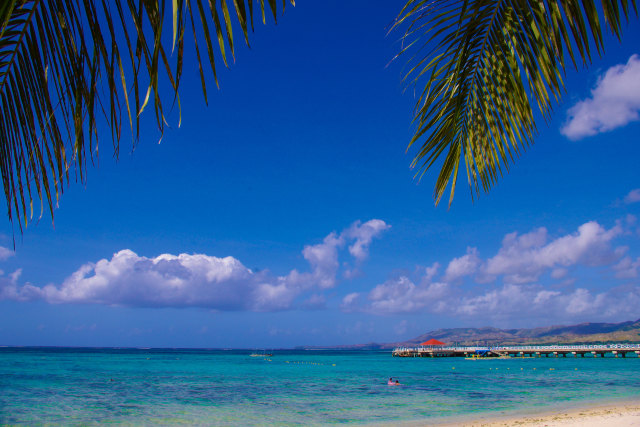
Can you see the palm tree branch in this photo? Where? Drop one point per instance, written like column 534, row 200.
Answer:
column 480, row 62
column 63, row 77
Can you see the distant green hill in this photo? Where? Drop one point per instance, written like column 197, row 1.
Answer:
column 581, row 333
column 625, row 332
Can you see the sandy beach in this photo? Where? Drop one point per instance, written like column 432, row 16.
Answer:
column 619, row 415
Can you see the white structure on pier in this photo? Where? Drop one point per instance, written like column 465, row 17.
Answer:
column 595, row 350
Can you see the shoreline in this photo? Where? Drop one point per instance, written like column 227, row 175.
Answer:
column 624, row 413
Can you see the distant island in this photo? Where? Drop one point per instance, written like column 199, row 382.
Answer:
column 583, row 333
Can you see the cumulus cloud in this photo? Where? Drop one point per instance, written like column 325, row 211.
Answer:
column 523, row 258
column 183, row 280
column 323, row 258
column 401, row 296
column 633, row 196
column 363, row 235
column 535, row 301
column 463, row 266
column 9, row 287
column 614, row 102
column 518, row 264
column 199, row 280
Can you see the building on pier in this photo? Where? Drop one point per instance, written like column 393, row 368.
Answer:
column 608, row 350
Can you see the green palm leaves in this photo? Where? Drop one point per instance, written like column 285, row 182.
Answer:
column 68, row 67
column 480, row 62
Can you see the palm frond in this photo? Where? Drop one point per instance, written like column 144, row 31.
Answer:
column 66, row 65
column 480, row 62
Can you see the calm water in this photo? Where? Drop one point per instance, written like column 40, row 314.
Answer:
column 80, row 386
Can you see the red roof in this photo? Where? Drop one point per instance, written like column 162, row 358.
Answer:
column 433, row 342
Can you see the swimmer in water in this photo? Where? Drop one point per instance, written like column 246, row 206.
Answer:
column 397, row 382
column 390, row 382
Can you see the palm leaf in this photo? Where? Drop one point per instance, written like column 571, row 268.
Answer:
column 69, row 67
column 480, row 62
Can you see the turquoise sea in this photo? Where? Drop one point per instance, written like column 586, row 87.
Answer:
column 214, row 387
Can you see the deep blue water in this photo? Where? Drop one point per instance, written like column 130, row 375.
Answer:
column 150, row 386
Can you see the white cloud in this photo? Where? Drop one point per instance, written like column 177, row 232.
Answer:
column 198, row 280
column 430, row 272
column 559, row 273
column 633, row 196
column 315, row 302
column 519, row 263
column 522, row 259
column 363, row 235
column 323, row 258
column 627, row 268
column 350, row 302
column 5, row 253
column 401, row 295
column 466, row 265
column 614, row 102
column 168, row 280
column 535, row 301
column 9, row 288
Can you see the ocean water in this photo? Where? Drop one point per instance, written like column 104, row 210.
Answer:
column 138, row 386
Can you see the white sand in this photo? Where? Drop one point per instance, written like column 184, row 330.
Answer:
column 618, row 415
column 621, row 414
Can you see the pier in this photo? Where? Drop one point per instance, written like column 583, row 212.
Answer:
column 608, row 350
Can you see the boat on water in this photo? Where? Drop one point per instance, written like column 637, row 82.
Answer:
column 263, row 354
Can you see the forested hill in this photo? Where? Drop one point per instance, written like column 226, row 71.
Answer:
column 581, row 333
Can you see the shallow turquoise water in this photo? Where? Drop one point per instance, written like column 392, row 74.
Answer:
column 80, row 386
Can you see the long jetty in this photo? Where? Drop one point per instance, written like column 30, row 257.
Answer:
column 612, row 350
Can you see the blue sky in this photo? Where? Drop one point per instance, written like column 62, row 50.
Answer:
column 285, row 213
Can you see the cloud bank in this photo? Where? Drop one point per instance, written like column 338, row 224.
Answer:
column 614, row 102
column 198, row 280
column 509, row 281
column 530, row 276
